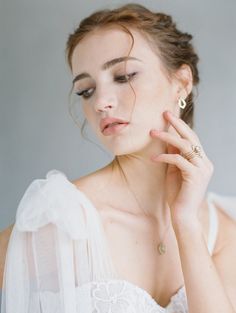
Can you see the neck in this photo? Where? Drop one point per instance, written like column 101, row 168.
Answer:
column 144, row 180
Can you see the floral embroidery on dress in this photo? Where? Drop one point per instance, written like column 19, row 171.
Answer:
column 118, row 296
column 111, row 297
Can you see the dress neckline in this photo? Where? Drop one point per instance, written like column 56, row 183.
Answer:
column 143, row 291
column 150, row 297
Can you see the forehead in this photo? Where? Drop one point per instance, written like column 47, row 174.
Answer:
column 102, row 45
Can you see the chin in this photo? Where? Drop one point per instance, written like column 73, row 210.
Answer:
column 128, row 146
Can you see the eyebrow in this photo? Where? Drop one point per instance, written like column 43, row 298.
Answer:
column 105, row 66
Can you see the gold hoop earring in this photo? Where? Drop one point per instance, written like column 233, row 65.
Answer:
column 182, row 103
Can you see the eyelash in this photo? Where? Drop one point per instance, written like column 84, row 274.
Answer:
column 122, row 79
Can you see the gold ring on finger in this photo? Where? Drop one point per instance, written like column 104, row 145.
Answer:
column 196, row 151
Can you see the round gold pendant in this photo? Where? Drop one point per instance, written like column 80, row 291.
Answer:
column 161, row 248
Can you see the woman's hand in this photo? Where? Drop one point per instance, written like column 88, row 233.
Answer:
column 186, row 180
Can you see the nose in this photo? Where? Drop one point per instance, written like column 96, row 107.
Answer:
column 104, row 107
column 105, row 102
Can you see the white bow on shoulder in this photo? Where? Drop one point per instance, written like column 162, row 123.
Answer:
column 57, row 244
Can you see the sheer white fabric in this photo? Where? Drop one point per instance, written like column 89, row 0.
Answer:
column 58, row 260
column 56, row 245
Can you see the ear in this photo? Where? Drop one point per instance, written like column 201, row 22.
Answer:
column 184, row 81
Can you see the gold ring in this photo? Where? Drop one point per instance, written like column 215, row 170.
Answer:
column 196, row 151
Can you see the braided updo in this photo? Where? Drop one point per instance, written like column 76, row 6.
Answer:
column 172, row 46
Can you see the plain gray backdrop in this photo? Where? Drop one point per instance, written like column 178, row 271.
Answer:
column 37, row 132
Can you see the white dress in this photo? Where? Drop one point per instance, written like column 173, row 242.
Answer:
column 58, row 259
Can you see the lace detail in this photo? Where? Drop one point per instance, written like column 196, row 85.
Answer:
column 112, row 297
column 178, row 302
column 115, row 296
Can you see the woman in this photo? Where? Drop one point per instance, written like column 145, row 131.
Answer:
column 132, row 236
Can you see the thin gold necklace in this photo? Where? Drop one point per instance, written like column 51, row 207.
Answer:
column 161, row 246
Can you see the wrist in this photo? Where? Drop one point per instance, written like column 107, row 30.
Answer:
column 187, row 227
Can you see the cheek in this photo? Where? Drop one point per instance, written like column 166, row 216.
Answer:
column 125, row 95
column 155, row 92
column 152, row 99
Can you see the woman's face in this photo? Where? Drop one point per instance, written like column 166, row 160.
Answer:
column 108, row 94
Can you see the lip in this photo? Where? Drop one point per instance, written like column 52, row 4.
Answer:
column 109, row 120
column 112, row 130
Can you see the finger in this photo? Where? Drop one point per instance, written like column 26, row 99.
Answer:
column 181, row 127
column 174, row 159
column 172, row 149
column 178, row 142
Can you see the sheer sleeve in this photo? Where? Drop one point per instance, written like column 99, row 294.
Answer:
column 57, row 246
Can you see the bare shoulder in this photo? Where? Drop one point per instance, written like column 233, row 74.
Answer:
column 226, row 227
column 94, row 184
column 4, row 239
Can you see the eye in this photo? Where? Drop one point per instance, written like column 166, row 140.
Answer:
column 121, row 79
column 125, row 78
column 85, row 93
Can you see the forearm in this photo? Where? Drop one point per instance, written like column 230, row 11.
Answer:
column 204, row 289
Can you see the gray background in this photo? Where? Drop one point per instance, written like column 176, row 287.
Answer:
column 36, row 131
